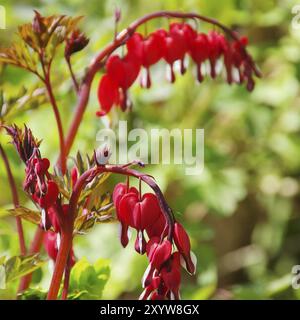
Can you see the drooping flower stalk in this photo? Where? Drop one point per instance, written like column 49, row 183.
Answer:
column 67, row 227
column 121, row 39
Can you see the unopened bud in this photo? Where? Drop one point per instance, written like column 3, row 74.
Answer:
column 75, row 43
column 102, row 154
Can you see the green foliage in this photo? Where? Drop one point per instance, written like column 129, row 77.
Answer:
column 87, row 280
column 15, row 267
column 33, row 294
column 38, row 39
column 26, row 99
column 26, row 214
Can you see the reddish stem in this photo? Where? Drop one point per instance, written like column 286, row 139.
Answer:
column 75, row 83
column 62, row 161
column 15, row 198
column 66, row 279
column 60, row 264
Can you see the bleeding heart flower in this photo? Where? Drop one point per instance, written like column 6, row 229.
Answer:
column 199, row 51
column 158, row 228
column 158, row 252
column 52, row 214
column 244, row 62
column 183, row 245
column 185, row 35
column 171, row 276
column 123, row 72
column 155, row 285
column 47, row 200
column 174, row 48
column 142, row 212
column 215, row 41
column 50, row 244
column 139, row 213
column 119, row 191
column 149, row 50
column 108, row 95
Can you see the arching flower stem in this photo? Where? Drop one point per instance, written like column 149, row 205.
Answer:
column 98, row 62
column 68, row 224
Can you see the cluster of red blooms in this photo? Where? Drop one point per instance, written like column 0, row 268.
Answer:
column 134, row 210
column 42, row 190
column 142, row 212
column 172, row 46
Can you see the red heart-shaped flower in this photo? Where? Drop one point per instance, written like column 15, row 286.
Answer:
column 108, row 94
column 139, row 213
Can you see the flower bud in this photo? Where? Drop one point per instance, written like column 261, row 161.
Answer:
column 75, row 43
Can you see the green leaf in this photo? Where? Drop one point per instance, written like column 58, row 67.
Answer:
column 33, row 294
column 20, row 55
column 86, row 220
column 24, row 100
column 87, row 281
column 43, row 35
column 18, row 266
column 26, row 214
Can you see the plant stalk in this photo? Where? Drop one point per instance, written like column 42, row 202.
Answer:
column 15, row 198
column 60, row 264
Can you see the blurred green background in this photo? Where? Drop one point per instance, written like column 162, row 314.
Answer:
column 242, row 213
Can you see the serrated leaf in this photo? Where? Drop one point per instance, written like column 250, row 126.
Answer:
column 26, row 214
column 49, row 26
column 12, row 266
column 19, row 266
column 52, row 31
column 90, row 215
column 94, row 185
column 26, row 99
column 20, row 55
